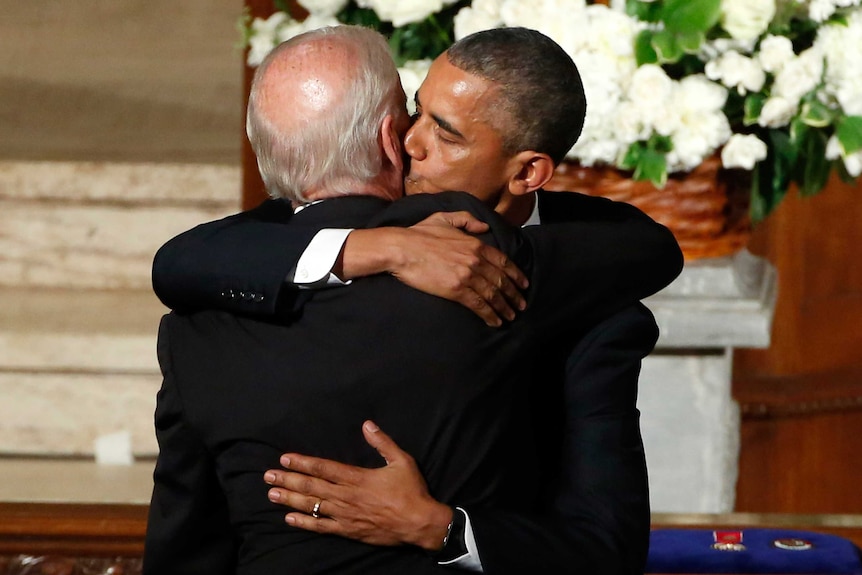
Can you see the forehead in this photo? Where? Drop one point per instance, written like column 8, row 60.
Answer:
column 461, row 98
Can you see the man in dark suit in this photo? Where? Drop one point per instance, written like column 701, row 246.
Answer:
column 592, row 212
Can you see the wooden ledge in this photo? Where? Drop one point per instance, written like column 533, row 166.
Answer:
column 79, row 530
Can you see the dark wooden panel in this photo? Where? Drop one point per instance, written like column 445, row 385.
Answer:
column 802, row 420
column 72, row 529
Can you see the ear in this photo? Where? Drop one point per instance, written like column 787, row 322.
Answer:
column 534, row 169
column 391, row 143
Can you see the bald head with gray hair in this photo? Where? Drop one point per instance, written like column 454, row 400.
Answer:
column 315, row 110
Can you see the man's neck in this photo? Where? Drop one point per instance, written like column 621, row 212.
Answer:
column 372, row 189
column 516, row 209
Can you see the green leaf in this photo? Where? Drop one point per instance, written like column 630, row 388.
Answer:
column 816, row 166
column 690, row 41
column 798, row 132
column 659, row 143
column 666, row 47
column 758, row 206
column 816, row 114
column 752, row 106
column 782, row 157
column 849, row 133
column 644, row 11
column 652, row 167
column 633, row 156
column 644, row 51
column 686, row 16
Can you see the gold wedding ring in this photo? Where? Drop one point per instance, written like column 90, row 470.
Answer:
column 315, row 512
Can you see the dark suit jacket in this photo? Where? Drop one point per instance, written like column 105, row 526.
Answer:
column 596, row 514
column 604, row 234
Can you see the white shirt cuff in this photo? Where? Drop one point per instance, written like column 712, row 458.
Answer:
column 469, row 561
column 314, row 268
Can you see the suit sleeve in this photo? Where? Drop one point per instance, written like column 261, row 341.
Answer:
column 188, row 530
column 237, row 264
column 599, row 520
column 608, row 257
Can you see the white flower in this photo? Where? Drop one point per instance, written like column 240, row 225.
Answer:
column 481, row 15
column 799, row 76
column 743, row 151
column 843, row 77
column 401, row 12
column 263, row 37
column 712, row 49
column 650, row 93
column 777, row 112
column 629, row 125
column 853, row 162
column 737, row 71
column 746, row 19
column 323, row 7
column 775, row 52
column 412, row 75
column 701, row 126
column 561, row 20
column 820, row 10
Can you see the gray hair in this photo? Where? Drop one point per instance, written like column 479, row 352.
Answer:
column 541, row 94
column 342, row 149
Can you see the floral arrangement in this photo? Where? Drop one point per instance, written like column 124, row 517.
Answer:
column 773, row 86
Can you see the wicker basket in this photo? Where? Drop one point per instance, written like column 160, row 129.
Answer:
column 706, row 209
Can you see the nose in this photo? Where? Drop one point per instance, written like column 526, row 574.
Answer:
column 413, row 143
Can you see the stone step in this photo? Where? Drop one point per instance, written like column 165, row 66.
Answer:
column 98, row 225
column 64, row 480
column 76, row 366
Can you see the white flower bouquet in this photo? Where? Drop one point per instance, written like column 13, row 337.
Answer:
column 772, row 86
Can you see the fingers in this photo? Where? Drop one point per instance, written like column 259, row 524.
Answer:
column 385, row 446
column 309, row 523
column 326, row 469
column 302, row 486
column 312, row 505
column 465, row 221
column 497, row 280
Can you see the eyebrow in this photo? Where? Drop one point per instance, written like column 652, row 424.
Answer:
column 440, row 121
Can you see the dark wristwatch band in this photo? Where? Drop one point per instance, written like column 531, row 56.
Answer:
column 454, row 546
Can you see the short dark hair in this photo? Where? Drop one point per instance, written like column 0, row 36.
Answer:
column 539, row 83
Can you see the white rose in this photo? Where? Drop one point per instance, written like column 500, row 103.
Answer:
column 649, row 93
column 412, row 75
column 401, row 12
column 737, row 71
column 561, row 20
column 843, row 77
column 628, row 124
column 853, row 162
column 743, row 151
column 799, row 76
column 323, row 7
column 480, row 16
column 777, row 112
column 775, row 52
column 712, row 49
column 264, row 37
column 701, row 126
column 746, row 19
column 820, row 10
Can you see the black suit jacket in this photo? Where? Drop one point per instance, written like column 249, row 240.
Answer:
column 622, row 255
column 238, row 392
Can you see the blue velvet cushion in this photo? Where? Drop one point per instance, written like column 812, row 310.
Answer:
column 690, row 551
